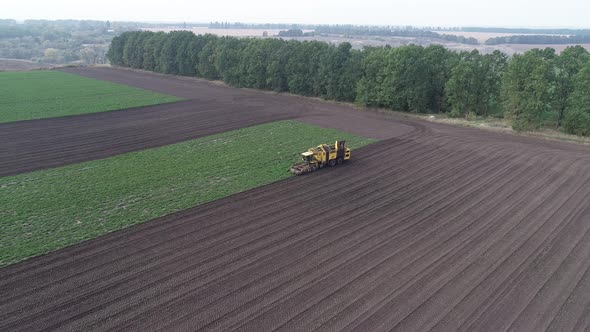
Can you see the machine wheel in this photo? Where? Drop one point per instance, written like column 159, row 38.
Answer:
column 340, row 161
column 332, row 162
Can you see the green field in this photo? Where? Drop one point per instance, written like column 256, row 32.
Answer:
column 51, row 209
column 47, row 94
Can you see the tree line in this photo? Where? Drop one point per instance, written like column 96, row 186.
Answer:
column 295, row 33
column 539, row 39
column 538, row 88
column 527, row 31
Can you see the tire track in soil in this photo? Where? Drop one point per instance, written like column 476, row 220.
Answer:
column 426, row 291
column 433, row 227
column 472, row 210
column 413, row 251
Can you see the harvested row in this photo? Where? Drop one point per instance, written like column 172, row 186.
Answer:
column 39, row 144
column 411, row 234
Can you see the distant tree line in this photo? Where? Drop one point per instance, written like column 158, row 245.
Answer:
column 291, row 33
column 539, row 39
column 527, row 31
column 273, row 26
column 406, row 32
column 535, row 89
column 295, row 33
column 459, row 39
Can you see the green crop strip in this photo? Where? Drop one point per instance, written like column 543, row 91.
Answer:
column 47, row 94
column 51, row 209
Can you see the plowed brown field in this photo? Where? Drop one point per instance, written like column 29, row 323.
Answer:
column 435, row 227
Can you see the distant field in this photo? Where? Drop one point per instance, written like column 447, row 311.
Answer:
column 50, row 209
column 46, row 94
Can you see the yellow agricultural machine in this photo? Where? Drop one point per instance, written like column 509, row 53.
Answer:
column 321, row 156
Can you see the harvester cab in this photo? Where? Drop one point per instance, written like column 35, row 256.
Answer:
column 308, row 157
column 321, row 156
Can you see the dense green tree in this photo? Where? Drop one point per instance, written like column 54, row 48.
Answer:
column 474, row 85
column 336, row 75
column 115, row 53
column 350, row 77
column 494, row 65
column 133, row 51
column 207, row 56
column 168, row 60
column 151, row 51
column 320, row 59
column 577, row 118
column 464, row 86
column 408, row 80
column 226, row 57
column 303, row 67
column 276, row 68
column 253, row 63
column 404, row 79
column 440, row 63
column 567, row 65
column 527, row 88
column 187, row 53
column 371, row 90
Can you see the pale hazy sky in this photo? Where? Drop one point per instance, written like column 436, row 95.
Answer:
column 512, row 13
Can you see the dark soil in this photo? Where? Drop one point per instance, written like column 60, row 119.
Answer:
column 436, row 227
